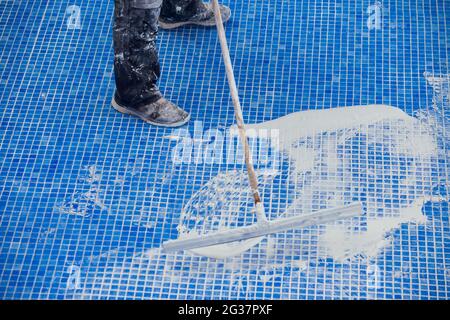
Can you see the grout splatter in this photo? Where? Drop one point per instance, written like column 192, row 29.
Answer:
column 84, row 204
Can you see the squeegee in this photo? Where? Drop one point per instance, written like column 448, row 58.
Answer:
column 242, row 235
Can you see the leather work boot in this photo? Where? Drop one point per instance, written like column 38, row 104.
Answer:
column 159, row 113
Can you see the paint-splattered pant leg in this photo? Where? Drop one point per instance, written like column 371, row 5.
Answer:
column 136, row 65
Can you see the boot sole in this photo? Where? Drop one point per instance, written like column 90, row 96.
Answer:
column 123, row 110
column 168, row 26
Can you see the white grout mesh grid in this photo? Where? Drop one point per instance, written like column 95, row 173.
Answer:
column 88, row 195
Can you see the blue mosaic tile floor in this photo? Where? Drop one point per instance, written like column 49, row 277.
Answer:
column 86, row 191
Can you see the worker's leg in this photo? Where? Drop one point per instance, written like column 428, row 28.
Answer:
column 176, row 13
column 136, row 58
column 136, row 65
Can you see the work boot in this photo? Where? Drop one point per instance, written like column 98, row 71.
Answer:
column 177, row 13
column 159, row 113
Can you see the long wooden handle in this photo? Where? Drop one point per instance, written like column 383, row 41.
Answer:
column 236, row 103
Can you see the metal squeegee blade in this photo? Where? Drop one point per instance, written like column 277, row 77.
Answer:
column 261, row 229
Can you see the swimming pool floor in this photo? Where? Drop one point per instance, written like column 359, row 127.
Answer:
column 88, row 195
